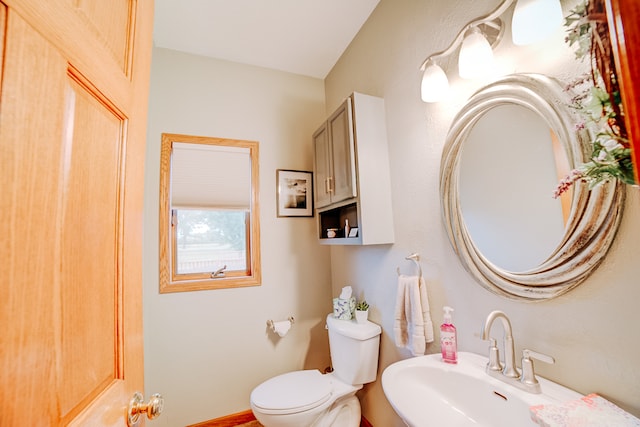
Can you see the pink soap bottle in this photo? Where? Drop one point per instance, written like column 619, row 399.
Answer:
column 448, row 339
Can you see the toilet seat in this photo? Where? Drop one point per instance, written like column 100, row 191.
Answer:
column 292, row 392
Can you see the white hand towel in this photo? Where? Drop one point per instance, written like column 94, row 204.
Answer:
column 415, row 322
column 413, row 327
column 426, row 312
column 400, row 317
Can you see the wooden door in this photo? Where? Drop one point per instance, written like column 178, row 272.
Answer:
column 73, row 96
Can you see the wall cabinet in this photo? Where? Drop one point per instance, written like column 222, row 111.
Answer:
column 352, row 179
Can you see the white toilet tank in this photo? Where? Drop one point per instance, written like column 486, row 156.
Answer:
column 354, row 350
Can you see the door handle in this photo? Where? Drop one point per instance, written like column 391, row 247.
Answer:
column 152, row 410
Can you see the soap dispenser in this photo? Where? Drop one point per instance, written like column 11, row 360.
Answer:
column 448, row 339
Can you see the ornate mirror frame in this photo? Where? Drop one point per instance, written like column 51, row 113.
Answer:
column 594, row 216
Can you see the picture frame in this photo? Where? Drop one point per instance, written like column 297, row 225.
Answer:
column 353, row 232
column 294, row 193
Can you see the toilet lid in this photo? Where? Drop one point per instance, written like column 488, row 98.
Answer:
column 292, row 392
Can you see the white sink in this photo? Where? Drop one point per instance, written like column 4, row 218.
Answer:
column 426, row 392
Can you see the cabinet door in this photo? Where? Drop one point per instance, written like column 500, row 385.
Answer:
column 322, row 166
column 342, row 145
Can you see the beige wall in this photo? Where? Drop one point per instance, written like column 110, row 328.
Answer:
column 592, row 331
column 206, row 350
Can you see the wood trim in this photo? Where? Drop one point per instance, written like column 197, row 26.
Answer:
column 365, row 423
column 624, row 27
column 243, row 417
column 228, row 420
column 3, row 30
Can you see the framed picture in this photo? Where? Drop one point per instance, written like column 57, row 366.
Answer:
column 294, row 192
column 353, row 232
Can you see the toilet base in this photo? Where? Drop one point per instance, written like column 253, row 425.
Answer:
column 343, row 413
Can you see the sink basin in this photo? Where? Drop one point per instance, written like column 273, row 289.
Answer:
column 425, row 391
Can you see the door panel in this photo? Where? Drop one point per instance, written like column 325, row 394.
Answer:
column 110, row 22
column 90, row 205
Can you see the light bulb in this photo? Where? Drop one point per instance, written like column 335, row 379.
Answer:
column 535, row 20
column 435, row 84
column 476, row 55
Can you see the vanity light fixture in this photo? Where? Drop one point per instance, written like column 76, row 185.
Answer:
column 435, row 84
column 533, row 20
column 476, row 55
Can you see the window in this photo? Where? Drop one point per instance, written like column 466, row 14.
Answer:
column 210, row 241
column 209, row 233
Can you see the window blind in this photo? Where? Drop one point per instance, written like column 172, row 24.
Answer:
column 210, row 176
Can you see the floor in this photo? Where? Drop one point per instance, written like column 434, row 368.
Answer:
column 257, row 424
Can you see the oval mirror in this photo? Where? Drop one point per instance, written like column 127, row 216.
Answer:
column 505, row 152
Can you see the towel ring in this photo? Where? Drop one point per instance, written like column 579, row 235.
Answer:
column 415, row 257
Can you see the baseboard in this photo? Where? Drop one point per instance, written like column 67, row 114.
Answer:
column 365, row 423
column 228, row 420
column 245, row 417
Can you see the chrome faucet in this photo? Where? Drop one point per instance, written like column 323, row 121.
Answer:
column 510, row 370
column 509, row 373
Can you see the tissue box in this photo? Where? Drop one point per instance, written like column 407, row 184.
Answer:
column 343, row 308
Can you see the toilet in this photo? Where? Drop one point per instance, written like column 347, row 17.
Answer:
column 309, row 398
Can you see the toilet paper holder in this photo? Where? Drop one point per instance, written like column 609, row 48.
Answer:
column 271, row 324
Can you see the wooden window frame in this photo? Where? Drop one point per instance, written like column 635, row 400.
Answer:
column 171, row 282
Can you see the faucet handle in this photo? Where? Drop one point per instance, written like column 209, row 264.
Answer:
column 494, row 357
column 530, row 354
column 528, row 375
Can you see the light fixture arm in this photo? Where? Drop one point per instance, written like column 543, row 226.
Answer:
column 488, row 20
